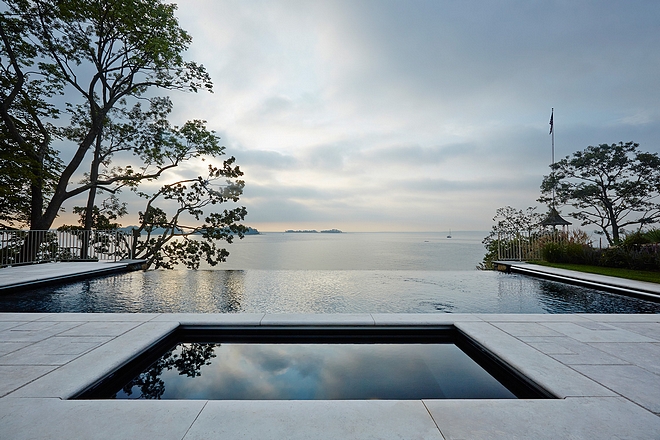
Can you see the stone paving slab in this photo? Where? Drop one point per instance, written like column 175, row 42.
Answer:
column 10, row 347
column 643, row 355
column 57, row 350
column 518, row 317
column 212, row 318
column 421, row 318
column 27, row 333
column 21, row 317
column 568, row 351
column 23, row 419
column 629, row 381
column 648, row 329
column 5, row 325
column 604, row 334
column 518, row 329
column 635, row 318
column 552, row 375
column 13, row 377
column 103, row 317
column 318, row 319
column 316, row 419
column 78, row 374
column 604, row 368
column 109, row 328
column 572, row 418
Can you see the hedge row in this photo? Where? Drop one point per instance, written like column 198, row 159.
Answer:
column 644, row 256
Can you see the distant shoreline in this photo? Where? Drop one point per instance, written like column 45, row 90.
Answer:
column 313, row 231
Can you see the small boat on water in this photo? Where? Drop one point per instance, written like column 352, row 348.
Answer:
column 449, row 236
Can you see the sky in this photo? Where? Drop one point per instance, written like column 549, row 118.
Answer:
column 415, row 115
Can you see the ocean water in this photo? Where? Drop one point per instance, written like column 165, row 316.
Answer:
column 331, row 273
column 357, row 251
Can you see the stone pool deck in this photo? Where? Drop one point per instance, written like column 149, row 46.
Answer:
column 604, row 369
column 37, row 275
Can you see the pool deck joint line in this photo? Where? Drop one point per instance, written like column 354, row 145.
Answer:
column 603, row 368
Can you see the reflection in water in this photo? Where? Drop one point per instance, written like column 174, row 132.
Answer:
column 314, row 371
column 321, row 291
column 233, row 289
column 562, row 298
column 186, row 359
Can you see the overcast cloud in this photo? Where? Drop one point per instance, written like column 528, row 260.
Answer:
column 417, row 115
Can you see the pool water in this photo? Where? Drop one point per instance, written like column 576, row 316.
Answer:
column 320, row 291
column 314, row 371
column 216, row 362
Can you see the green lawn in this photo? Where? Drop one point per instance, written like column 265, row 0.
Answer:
column 639, row 275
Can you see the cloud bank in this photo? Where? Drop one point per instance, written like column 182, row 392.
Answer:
column 389, row 115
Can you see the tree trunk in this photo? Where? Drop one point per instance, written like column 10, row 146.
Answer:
column 30, row 248
column 89, row 209
column 615, row 233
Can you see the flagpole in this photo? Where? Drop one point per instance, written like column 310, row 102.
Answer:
column 552, row 132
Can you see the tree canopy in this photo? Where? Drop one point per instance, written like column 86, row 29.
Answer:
column 611, row 186
column 67, row 68
column 84, row 75
column 509, row 223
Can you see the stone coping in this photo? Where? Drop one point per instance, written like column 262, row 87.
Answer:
column 640, row 289
column 45, row 274
column 604, row 368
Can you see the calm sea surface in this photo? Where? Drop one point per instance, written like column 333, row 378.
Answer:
column 357, row 251
column 331, row 273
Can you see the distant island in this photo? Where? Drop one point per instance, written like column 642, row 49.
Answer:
column 313, row 231
column 178, row 231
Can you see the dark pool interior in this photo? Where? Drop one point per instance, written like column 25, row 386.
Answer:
column 307, row 363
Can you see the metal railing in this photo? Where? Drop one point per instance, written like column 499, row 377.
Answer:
column 526, row 245
column 27, row 247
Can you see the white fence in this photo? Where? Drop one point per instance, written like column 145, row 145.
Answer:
column 25, row 247
column 526, row 245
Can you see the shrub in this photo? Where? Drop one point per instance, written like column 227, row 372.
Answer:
column 491, row 255
column 574, row 253
column 553, row 252
column 638, row 251
column 573, row 248
column 637, row 257
column 634, row 239
column 615, row 256
column 653, row 235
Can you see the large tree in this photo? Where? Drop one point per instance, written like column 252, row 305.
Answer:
column 82, row 59
column 610, row 186
column 83, row 75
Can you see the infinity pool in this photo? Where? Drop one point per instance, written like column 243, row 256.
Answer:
column 321, row 291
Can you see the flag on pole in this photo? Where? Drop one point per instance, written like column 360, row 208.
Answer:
column 552, row 115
